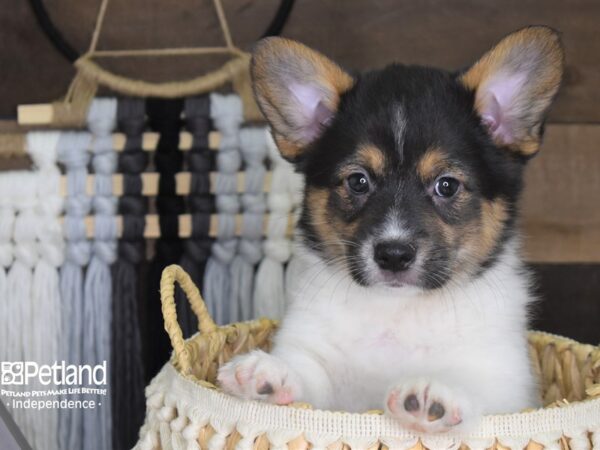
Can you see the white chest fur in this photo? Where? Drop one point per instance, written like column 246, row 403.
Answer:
column 363, row 340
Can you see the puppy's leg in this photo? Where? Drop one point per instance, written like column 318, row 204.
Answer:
column 430, row 406
column 260, row 376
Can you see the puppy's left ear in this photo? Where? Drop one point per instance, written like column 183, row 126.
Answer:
column 298, row 90
column 515, row 84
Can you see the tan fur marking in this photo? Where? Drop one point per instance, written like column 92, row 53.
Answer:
column 277, row 61
column 329, row 230
column 484, row 235
column 449, row 232
column 499, row 55
column 543, row 43
column 316, row 202
column 288, row 149
column 432, row 162
column 371, row 158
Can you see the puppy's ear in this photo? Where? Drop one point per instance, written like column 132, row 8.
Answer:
column 298, row 91
column 515, row 83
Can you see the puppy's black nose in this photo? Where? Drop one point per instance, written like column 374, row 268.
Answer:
column 394, row 256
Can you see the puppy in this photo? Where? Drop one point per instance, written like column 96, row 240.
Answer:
column 408, row 293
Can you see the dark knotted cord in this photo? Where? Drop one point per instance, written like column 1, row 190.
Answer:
column 127, row 370
column 164, row 116
column 199, row 161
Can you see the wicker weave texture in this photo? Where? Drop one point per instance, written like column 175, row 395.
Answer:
column 185, row 410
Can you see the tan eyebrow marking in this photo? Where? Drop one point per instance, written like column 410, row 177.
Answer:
column 371, row 157
column 430, row 163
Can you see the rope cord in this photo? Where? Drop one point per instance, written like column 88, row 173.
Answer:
column 230, row 47
column 98, row 27
column 71, row 54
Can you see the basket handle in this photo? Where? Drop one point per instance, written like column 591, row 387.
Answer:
column 170, row 275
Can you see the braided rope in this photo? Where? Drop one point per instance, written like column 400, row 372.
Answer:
column 170, row 275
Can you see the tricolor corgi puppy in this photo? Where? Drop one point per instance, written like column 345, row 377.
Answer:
column 408, row 293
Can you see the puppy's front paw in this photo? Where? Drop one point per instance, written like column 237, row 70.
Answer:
column 259, row 376
column 428, row 406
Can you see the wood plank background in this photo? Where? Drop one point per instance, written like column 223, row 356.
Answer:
column 359, row 34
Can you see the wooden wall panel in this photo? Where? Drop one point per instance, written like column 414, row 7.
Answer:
column 360, row 34
column 561, row 201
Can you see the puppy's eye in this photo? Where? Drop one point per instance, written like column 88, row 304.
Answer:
column 358, row 183
column 446, row 186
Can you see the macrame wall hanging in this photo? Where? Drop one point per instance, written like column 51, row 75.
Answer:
column 82, row 244
column 71, row 111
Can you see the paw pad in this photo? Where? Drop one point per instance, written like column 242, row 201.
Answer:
column 411, row 403
column 436, row 411
column 266, row 389
column 428, row 407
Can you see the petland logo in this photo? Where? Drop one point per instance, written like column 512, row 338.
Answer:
column 60, row 374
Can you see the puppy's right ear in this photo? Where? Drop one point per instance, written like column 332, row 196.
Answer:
column 298, row 90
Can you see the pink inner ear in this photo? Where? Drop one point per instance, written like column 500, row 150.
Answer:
column 312, row 114
column 500, row 105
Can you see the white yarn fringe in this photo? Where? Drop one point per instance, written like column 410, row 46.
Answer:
column 175, row 401
column 253, row 148
column 46, row 300
column 22, row 188
column 269, row 291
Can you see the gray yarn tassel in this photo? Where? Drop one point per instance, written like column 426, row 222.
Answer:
column 98, row 280
column 73, row 154
column 253, row 147
column 226, row 112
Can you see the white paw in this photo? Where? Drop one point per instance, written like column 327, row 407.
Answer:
column 259, row 376
column 428, row 406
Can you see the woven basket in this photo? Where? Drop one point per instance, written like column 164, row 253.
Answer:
column 185, row 410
